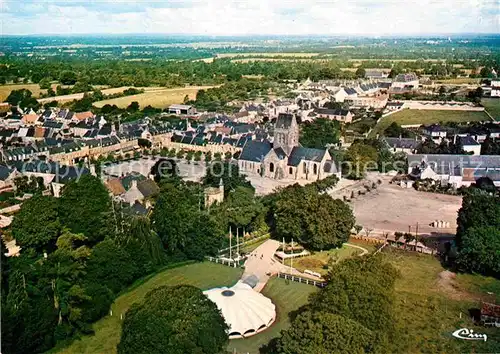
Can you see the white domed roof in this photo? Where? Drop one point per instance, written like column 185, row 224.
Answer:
column 246, row 311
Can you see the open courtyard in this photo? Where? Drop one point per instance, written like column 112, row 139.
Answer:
column 390, row 208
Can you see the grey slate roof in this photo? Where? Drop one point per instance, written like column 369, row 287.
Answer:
column 284, row 121
column 402, row 143
column 301, row 153
column 5, row 172
column 467, row 140
column 255, row 150
column 332, row 112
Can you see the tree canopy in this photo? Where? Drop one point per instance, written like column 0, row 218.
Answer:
column 37, row 224
column 177, row 319
column 316, row 221
column 478, row 238
column 85, row 207
column 230, row 175
column 320, row 133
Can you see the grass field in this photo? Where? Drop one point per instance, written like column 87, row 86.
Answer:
column 158, row 97
column 492, row 105
column 430, row 308
column 415, row 116
column 316, row 261
column 459, row 81
column 287, row 296
column 107, row 330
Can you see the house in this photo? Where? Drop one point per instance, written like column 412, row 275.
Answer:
column 495, row 88
column 434, row 132
column 284, row 158
column 406, row 145
column 377, row 102
column 343, row 93
column 29, row 119
column 181, row 109
column 139, row 191
column 377, row 73
column 342, row 115
column 81, row 116
column 408, row 81
column 469, row 144
column 455, row 170
column 6, row 177
column 490, row 314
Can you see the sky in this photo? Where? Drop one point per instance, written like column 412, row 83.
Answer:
column 247, row 17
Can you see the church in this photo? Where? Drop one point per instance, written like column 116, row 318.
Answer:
column 284, row 158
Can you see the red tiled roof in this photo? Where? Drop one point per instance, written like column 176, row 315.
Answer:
column 490, row 310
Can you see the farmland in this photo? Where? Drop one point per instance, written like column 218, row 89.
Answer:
column 424, row 117
column 34, row 88
column 155, row 97
column 492, row 105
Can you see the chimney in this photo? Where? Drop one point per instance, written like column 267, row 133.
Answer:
column 133, row 184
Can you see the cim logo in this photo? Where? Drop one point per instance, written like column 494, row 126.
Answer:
column 468, row 334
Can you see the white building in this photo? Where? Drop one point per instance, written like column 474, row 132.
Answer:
column 495, row 88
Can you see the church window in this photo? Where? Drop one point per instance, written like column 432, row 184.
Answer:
column 305, row 167
column 315, row 169
column 290, row 170
column 271, row 167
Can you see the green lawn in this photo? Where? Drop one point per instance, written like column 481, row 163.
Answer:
column 492, row 105
column 316, row 261
column 287, row 296
column 204, row 275
column 415, row 116
column 430, row 311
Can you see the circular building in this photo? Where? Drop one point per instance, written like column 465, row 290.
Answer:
column 245, row 311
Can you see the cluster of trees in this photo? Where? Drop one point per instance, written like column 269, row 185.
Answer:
column 354, row 313
column 77, row 253
column 177, row 320
column 23, row 98
column 394, row 130
column 316, row 221
column 478, row 233
column 490, row 147
column 320, row 133
column 445, row 147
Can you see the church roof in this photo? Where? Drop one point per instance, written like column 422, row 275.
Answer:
column 255, row 150
column 284, row 121
column 300, row 153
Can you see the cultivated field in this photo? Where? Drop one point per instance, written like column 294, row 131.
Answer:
column 34, row 88
column 424, row 117
column 460, row 80
column 158, row 97
column 79, row 96
column 108, row 330
column 274, row 54
column 492, row 105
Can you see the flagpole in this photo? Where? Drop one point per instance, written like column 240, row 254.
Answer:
column 230, row 250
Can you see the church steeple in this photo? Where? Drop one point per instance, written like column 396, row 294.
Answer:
column 286, row 132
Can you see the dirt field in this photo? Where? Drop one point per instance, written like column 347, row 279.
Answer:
column 158, row 97
column 392, row 208
column 274, row 54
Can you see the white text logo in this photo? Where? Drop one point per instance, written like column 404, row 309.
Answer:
column 468, row 334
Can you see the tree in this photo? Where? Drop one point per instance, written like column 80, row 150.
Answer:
column 316, row 221
column 111, row 266
column 133, row 106
column 361, row 157
column 324, row 333
column 480, row 250
column 360, row 72
column 173, row 320
column 320, row 133
column 361, row 289
column 44, row 84
column 230, row 175
column 68, row 78
column 477, row 241
column 37, row 224
column 85, row 207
